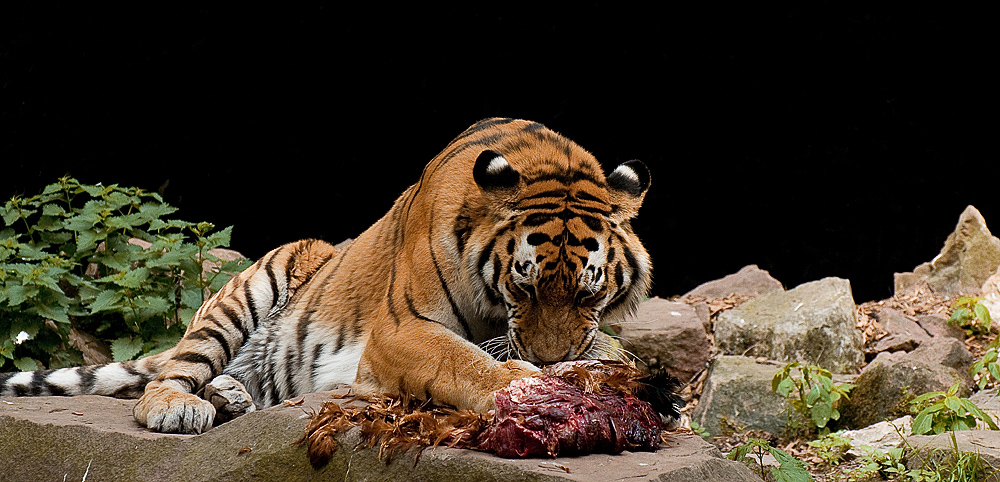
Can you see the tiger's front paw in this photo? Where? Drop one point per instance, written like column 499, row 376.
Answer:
column 506, row 372
column 229, row 397
column 164, row 409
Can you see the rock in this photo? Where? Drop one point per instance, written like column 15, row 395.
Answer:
column 944, row 351
column 990, row 291
column 970, row 255
column 673, row 334
column 905, row 334
column 881, row 436
column 988, row 401
column 813, row 323
column 937, row 325
column 739, row 389
column 95, row 438
column 750, row 280
column 931, row 448
column 882, row 389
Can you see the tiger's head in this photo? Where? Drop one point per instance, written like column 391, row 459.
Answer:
column 562, row 257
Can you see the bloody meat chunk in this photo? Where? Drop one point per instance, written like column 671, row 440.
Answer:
column 548, row 417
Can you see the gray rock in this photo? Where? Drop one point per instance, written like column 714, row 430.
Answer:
column 970, row 255
column 882, row 388
column 905, row 334
column 880, row 436
column 988, row 401
column 673, row 334
column 813, row 323
column 936, row 448
column 750, row 280
column 937, row 325
column 739, row 389
column 945, row 351
column 91, row 437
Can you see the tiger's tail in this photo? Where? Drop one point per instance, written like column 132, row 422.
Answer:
column 125, row 379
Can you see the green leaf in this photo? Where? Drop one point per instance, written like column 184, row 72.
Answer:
column 791, row 469
column 105, row 300
column 134, row 278
column 922, row 423
column 983, row 315
column 784, row 386
column 26, row 364
column 124, row 349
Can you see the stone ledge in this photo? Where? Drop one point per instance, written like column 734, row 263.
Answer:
column 64, row 438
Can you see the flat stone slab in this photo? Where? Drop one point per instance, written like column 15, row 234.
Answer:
column 95, row 438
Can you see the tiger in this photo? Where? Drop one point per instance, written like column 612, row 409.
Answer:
column 508, row 253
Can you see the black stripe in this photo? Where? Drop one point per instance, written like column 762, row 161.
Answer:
column 413, row 309
column 556, row 193
column 87, row 378
column 252, row 305
column 269, row 269
column 444, row 285
column 193, row 357
column 207, row 332
column 235, row 318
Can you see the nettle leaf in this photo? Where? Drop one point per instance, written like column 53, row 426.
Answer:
column 105, row 300
column 124, row 349
column 56, row 313
column 17, row 294
column 220, row 238
column 26, row 364
column 133, row 278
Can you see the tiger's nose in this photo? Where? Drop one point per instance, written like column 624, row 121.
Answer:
column 552, row 357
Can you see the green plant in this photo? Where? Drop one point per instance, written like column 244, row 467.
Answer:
column 939, row 412
column 831, row 447
column 815, row 398
column 970, row 314
column 890, row 464
column 986, row 370
column 100, row 262
column 699, row 430
column 790, row 469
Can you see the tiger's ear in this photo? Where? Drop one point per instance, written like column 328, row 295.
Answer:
column 495, row 176
column 627, row 185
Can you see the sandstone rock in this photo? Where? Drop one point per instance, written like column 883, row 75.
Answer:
column 673, row 334
column 881, row 390
column 905, row 334
column 944, row 351
column 813, row 323
column 739, row 389
column 970, row 255
column 937, row 325
column 750, row 280
column 990, row 291
column 881, row 436
column 986, row 443
column 95, row 438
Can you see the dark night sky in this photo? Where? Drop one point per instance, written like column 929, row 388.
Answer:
column 811, row 140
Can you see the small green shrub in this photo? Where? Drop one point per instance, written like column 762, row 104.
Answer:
column 971, row 315
column 812, row 394
column 939, row 412
column 102, row 261
column 831, row 447
column 790, row 469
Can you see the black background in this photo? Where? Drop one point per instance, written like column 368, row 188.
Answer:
column 812, row 140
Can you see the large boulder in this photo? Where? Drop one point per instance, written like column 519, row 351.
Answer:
column 671, row 335
column 814, row 323
column 95, row 438
column 970, row 255
column 738, row 389
column 883, row 388
column 750, row 280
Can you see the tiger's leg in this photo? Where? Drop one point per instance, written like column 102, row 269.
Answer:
column 220, row 327
column 427, row 360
